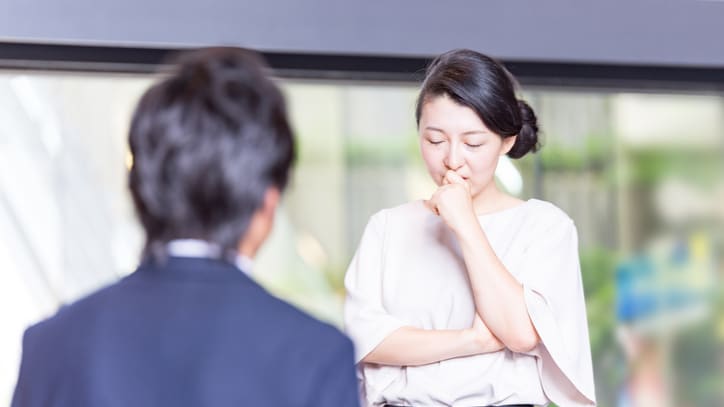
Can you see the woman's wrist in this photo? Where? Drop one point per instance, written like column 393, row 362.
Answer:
column 473, row 343
column 468, row 229
column 476, row 343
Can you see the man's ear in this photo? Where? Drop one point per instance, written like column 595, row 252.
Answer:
column 271, row 200
column 260, row 224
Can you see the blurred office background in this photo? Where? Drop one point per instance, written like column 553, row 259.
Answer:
column 633, row 121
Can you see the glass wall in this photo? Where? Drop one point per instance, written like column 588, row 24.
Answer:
column 66, row 220
column 642, row 175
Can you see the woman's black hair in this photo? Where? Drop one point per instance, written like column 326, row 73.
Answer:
column 481, row 83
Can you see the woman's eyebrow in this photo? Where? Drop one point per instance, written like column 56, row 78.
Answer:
column 434, row 129
column 470, row 132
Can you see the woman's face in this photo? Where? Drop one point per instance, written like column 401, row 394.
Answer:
column 452, row 137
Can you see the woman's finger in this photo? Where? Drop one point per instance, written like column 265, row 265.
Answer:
column 454, row 178
column 431, row 205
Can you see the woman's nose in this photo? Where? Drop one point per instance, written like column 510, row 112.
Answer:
column 454, row 158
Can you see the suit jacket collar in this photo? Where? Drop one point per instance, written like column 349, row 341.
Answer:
column 191, row 269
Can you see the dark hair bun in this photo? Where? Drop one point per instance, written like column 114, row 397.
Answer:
column 527, row 140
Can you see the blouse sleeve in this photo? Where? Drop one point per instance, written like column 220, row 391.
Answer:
column 365, row 319
column 553, row 291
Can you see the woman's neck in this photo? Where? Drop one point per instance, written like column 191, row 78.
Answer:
column 492, row 200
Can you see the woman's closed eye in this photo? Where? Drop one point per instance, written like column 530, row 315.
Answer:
column 435, row 142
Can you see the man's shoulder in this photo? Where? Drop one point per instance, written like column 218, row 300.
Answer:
column 306, row 327
column 249, row 306
column 72, row 314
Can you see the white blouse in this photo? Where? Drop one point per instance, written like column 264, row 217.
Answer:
column 409, row 271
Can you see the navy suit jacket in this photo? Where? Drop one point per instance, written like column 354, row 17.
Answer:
column 192, row 332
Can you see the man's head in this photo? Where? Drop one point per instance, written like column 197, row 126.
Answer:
column 212, row 150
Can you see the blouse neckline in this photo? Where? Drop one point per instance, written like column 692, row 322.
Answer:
column 506, row 210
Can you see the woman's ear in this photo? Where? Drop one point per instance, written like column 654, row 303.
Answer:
column 508, row 143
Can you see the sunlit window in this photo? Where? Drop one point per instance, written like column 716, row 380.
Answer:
column 641, row 174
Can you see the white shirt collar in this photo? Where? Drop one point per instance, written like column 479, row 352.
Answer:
column 202, row 249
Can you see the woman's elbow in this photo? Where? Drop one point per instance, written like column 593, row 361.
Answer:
column 523, row 343
column 369, row 358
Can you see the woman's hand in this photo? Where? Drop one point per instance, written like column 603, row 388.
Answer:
column 453, row 202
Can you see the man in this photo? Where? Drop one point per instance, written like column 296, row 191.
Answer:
column 212, row 150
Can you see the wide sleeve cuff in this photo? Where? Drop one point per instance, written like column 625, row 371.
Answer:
column 563, row 355
column 368, row 329
column 365, row 319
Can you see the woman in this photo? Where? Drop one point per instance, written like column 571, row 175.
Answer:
column 473, row 297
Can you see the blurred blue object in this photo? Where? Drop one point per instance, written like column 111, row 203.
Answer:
column 635, row 294
column 670, row 282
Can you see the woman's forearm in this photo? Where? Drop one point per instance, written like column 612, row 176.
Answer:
column 410, row 346
column 498, row 295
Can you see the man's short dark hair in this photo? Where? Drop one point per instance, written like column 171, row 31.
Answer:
column 207, row 142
